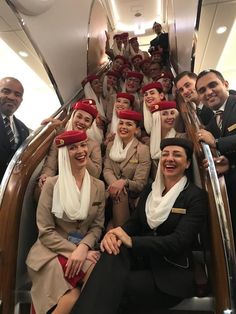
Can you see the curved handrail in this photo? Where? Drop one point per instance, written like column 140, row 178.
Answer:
column 225, row 226
column 223, row 254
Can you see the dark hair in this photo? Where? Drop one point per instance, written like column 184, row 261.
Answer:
column 137, row 123
column 205, row 72
column 178, row 141
column 189, row 74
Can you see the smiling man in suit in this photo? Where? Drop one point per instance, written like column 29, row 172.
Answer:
column 12, row 131
column 185, row 84
column 220, row 132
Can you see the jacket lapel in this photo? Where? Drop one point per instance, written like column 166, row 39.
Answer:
column 3, row 135
column 227, row 114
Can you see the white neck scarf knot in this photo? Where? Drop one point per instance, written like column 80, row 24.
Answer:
column 67, row 198
column 158, row 207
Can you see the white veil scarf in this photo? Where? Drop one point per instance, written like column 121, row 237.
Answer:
column 114, row 121
column 155, row 137
column 104, row 86
column 67, row 198
column 117, row 152
column 147, row 117
column 69, row 124
column 158, row 207
column 116, row 50
column 94, row 132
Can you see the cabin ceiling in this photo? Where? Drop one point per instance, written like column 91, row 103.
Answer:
column 211, row 47
column 135, row 16
column 13, row 35
column 217, row 51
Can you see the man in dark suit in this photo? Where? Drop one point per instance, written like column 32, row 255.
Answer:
column 12, row 131
column 185, row 84
column 220, row 132
column 161, row 41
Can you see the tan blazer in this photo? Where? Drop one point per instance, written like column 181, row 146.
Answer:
column 43, row 266
column 135, row 167
column 94, row 163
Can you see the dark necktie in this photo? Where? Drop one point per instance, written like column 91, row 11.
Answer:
column 219, row 117
column 199, row 111
column 9, row 131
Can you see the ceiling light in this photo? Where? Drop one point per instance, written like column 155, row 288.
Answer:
column 221, row 30
column 23, row 54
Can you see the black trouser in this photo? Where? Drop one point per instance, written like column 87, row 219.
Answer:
column 230, row 180
column 113, row 286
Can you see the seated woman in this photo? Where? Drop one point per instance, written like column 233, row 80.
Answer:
column 147, row 263
column 159, row 120
column 126, row 166
column 82, row 118
column 70, row 217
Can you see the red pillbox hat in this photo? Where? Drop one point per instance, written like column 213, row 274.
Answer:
column 70, row 137
column 88, row 105
column 156, row 85
column 133, row 39
column 125, row 95
column 120, row 57
column 130, row 115
column 137, row 57
column 89, row 78
column 135, row 74
column 163, row 105
column 166, row 75
column 113, row 73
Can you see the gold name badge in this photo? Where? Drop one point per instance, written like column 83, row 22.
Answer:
column 178, row 210
column 232, row 127
column 133, row 161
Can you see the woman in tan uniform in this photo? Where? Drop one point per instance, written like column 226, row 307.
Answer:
column 81, row 119
column 159, row 120
column 126, row 166
column 70, row 217
column 123, row 101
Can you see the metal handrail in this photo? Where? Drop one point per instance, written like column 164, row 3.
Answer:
column 228, row 243
column 16, row 158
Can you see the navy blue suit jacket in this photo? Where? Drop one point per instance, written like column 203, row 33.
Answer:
column 227, row 136
column 162, row 40
column 6, row 152
column 169, row 247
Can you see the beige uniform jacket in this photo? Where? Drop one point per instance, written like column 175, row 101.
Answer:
column 135, row 167
column 45, row 271
column 94, row 163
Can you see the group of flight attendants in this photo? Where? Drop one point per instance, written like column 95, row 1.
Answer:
column 117, row 214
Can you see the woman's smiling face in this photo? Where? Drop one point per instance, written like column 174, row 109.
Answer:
column 152, row 97
column 82, row 120
column 127, row 129
column 174, row 162
column 168, row 118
